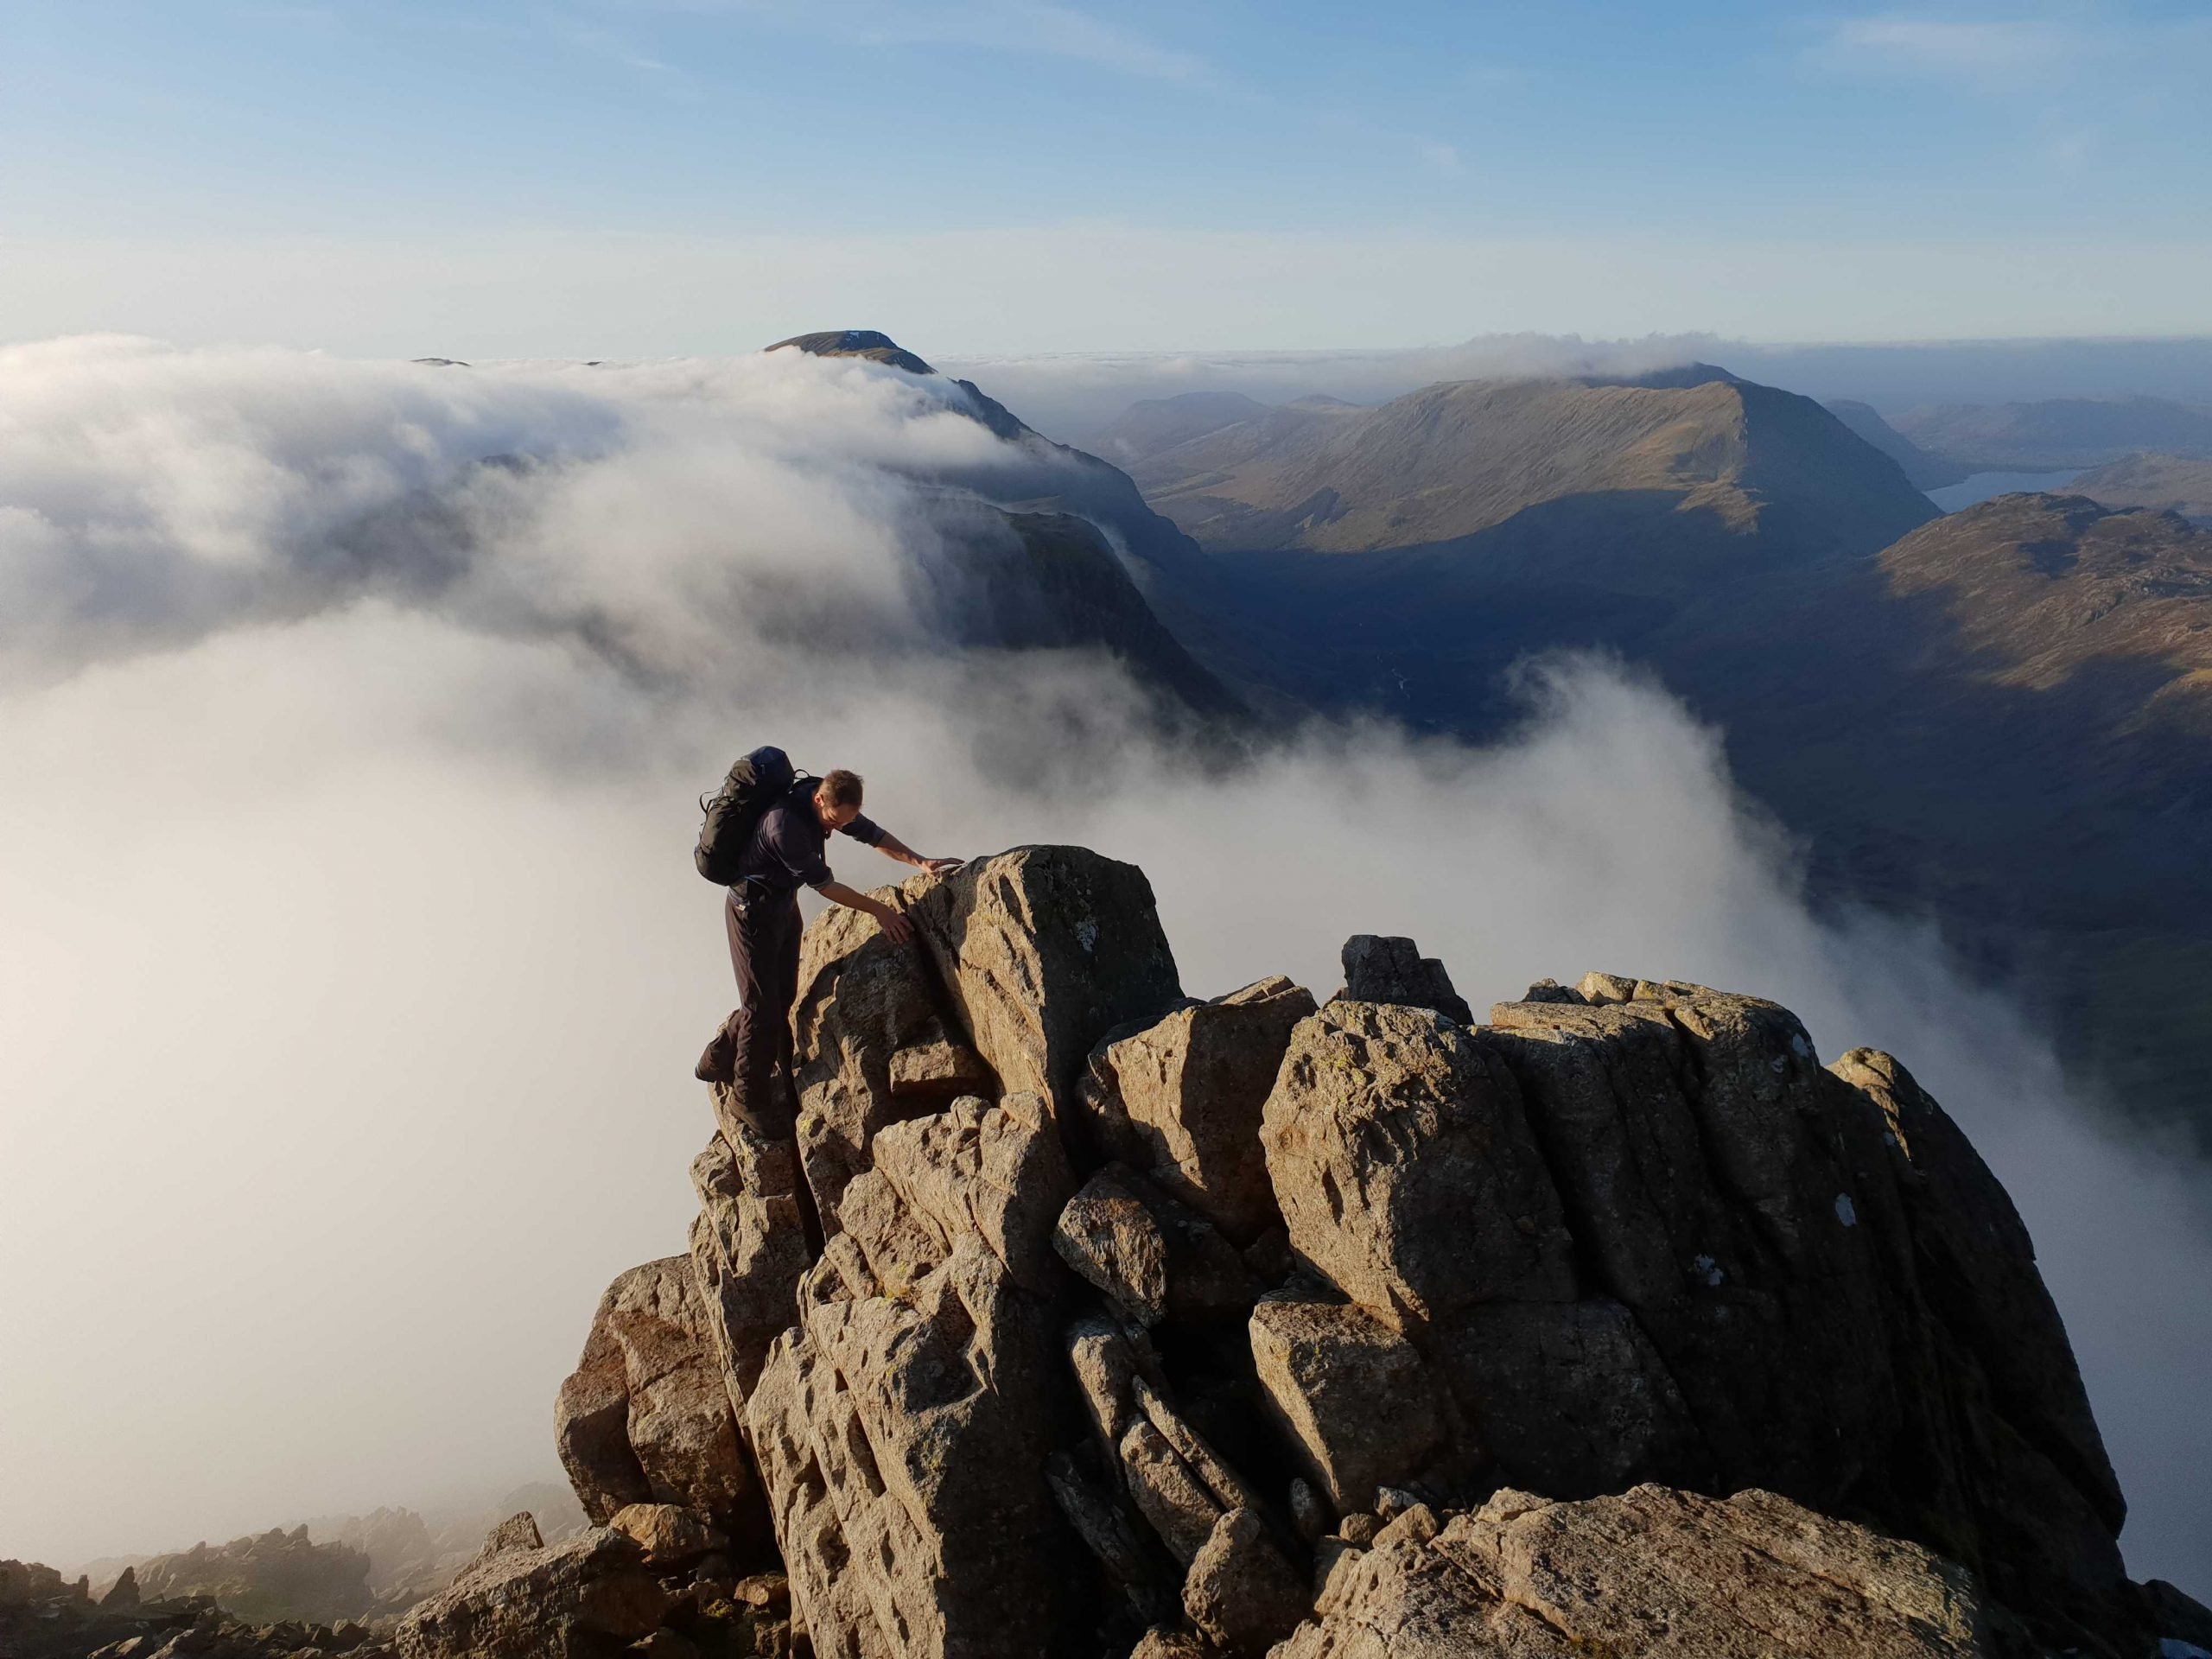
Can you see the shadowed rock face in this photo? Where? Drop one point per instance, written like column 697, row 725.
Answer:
column 1527, row 1301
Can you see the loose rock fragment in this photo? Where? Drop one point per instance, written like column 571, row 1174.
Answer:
column 1354, row 1395
column 1241, row 1592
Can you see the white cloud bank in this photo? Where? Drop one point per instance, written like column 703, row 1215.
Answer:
column 352, row 965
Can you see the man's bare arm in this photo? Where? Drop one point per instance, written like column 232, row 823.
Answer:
column 896, row 927
column 892, row 847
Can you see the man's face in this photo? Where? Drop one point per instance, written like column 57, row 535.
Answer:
column 833, row 817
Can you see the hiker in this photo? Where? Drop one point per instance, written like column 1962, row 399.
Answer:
column 784, row 853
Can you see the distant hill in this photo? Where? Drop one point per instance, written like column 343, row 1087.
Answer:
column 1925, row 471
column 2058, row 433
column 2044, row 589
column 1452, row 461
column 2175, row 483
column 1144, row 428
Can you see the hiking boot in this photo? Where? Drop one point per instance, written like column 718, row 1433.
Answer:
column 719, row 1062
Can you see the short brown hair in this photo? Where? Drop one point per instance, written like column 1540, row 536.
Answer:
column 839, row 788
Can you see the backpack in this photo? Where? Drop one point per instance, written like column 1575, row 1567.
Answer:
column 756, row 783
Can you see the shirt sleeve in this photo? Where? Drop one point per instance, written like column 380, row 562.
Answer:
column 797, row 853
column 864, row 829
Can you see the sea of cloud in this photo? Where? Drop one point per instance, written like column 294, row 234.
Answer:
column 352, row 963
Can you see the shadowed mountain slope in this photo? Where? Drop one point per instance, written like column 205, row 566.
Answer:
column 1923, row 470
column 1092, row 556
column 1031, row 473
column 2024, row 692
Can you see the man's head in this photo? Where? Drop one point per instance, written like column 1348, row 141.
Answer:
column 837, row 798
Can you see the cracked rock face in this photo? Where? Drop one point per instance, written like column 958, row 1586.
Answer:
column 748, row 1246
column 1406, row 1171
column 1137, row 1324
column 870, row 1046
column 902, row 1424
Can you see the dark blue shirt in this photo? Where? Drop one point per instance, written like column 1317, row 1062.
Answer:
column 785, row 852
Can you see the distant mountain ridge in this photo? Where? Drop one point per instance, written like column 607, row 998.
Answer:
column 2057, row 433
column 1144, row 428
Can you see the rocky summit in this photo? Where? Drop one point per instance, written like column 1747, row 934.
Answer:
column 1084, row 1318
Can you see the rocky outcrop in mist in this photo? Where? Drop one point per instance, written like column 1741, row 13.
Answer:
column 44, row 1617
column 1086, row 1317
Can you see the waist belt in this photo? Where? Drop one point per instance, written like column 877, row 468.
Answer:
column 753, row 892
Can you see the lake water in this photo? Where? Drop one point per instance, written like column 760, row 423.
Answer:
column 1980, row 487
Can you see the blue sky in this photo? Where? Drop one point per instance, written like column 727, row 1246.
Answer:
column 1022, row 175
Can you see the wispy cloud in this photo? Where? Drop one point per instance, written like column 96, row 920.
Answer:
column 1988, row 52
column 602, row 43
column 1044, row 27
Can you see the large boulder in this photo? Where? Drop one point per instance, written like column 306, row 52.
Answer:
column 1021, row 963
column 1711, row 1167
column 1406, row 1170
column 2031, row 1499
column 1655, row 1573
column 998, row 1174
column 1182, row 1100
column 1043, row 950
column 1837, row 1287
column 647, row 1416
column 1638, row 1232
column 583, row 1598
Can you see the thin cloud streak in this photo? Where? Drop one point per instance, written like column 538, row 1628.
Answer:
column 1983, row 53
column 1039, row 27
